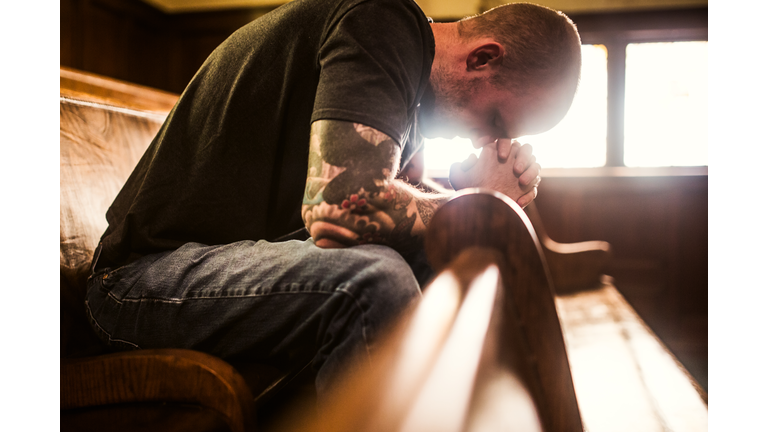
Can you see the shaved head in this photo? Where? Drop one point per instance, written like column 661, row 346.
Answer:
column 541, row 45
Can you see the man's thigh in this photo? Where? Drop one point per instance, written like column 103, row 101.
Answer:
column 252, row 300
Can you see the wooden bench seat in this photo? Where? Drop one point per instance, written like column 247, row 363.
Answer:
column 625, row 378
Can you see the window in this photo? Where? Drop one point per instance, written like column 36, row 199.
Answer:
column 665, row 105
column 641, row 102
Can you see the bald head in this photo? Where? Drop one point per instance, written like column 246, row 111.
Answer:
column 509, row 72
column 542, row 46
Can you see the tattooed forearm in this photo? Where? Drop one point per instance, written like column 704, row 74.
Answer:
column 427, row 209
column 351, row 196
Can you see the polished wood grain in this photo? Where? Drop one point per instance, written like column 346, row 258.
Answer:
column 180, row 376
column 376, row 395
column 86, row 86
column 144, row 417
column 491, row 220
column 482, row 351
column 474, row 384
column 622, row 376
column 655, row 221
column 99, row 145
column 625, row 378
column 442, row 367
column 573, row 266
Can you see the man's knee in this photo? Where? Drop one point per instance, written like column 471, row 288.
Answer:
column 384, row 283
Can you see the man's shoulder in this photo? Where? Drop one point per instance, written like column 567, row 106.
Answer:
column 405, row 7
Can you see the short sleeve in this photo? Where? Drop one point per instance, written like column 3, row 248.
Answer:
column 372, row 66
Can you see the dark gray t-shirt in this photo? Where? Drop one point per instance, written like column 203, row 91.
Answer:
column 230, row 162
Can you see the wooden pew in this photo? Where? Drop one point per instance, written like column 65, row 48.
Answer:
column 489, row 346
column 484, row 350
column 625, row 378
column 105, row 127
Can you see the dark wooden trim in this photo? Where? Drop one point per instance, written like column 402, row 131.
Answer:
column 215, row 21
column 643, row 26
column 132, row 41
column 95, row 88
column 615, row 123
column 486, row 219
column 158, row 375
column 135, row 9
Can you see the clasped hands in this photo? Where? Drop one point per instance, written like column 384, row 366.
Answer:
column 504, row 166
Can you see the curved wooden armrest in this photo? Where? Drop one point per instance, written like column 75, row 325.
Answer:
column 573, row 266
column 483, row 349
column 158, row 375
column 487, row 219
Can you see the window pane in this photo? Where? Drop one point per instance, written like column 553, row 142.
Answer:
column 665, row 111
column 578, row 141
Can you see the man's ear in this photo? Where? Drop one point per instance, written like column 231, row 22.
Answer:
column 489, row 55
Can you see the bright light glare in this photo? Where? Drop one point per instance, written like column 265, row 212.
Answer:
column 666, row 104
column 578, row 141
column 441, row 153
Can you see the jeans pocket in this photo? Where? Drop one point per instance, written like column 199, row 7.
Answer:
column 117, row 282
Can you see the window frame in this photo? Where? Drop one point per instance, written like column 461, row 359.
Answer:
column 618, row 29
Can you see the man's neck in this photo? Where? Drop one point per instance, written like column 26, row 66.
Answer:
column 446, row 39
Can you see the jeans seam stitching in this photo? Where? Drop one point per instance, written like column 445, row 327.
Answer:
column 109, row 336
column 362, row 315
column 181, row 300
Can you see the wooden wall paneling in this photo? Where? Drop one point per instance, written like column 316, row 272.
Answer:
column 675, row 272
column 633, row 223
column 117, row 38
column 688, row 333
column 132, row 41
column 70, row 40
column 225, row 21
column 657, row 227
column 104, row 49
column 694, row 240
column 149, row 54
column 195, row 35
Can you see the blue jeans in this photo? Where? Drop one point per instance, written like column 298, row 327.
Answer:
column 284, row 304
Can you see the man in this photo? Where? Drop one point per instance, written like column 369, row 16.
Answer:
column 196, row 253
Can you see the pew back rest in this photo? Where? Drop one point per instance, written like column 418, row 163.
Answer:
column 99, row 146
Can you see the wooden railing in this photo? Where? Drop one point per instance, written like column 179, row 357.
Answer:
column 482, row 351
column 485, row 351
column 95, row 88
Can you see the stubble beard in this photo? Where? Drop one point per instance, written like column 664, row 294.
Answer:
column 440, row 117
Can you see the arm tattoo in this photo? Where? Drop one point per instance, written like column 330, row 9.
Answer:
column 426, row 209
column 351, row 193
